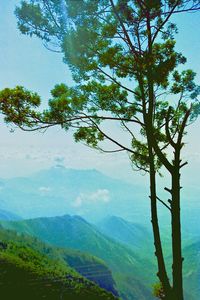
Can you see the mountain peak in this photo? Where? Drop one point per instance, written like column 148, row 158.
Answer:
column 60, row 190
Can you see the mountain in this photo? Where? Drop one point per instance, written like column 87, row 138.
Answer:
column 27, row 273
column 8, row 216
column 59, row 191
column 134, row 235
column 90, row 267
column 133, row 274
column 87, row 265
column 139, row 238
column 191, row 266
column 91, row 194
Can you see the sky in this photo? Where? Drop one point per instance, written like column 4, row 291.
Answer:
column 25, row 61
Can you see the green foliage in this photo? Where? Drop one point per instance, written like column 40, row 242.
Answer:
column 33, row 18
column 90, row 135
column 103, row 44
column 18, row 106
column 158, row 291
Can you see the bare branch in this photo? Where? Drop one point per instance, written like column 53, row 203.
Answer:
column 183, row 125
column 168, row 190
column 108, row 151
column 164, row 22
column 161, row 201
column 184, row 164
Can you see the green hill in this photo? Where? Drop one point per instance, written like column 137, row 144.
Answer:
column 133, row 274
column 88, row 266
column 131, row 234
column 28, row 274
column 91, row 268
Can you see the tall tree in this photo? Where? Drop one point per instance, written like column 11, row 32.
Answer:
column 123, row 60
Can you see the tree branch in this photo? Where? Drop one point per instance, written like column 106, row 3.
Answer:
column 115, row 81
column 161, row 201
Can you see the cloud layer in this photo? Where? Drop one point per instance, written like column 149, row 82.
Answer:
column 100, row 195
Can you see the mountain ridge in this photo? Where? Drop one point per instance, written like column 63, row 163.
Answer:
column 55, row 191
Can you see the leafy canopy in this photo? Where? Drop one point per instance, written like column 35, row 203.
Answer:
column 115, row 50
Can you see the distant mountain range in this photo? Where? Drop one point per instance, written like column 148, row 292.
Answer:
column 91, row 194
column 118, row 215
column 134, row 235
column 8, row 216
column 59, row 191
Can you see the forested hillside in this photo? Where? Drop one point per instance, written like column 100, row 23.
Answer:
column 33, row 270
column 129, row 269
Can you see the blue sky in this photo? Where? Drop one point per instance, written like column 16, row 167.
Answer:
column 24, row 61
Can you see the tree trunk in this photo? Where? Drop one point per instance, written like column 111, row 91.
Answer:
column 148, row 115
column 162, row 273
column 176, row 231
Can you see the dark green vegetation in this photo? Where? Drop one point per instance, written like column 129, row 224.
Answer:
column 131, row 272
column 29, row 269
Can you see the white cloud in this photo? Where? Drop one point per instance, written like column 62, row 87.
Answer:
column 78, row 201
column 101, row 195
column 44, row 189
